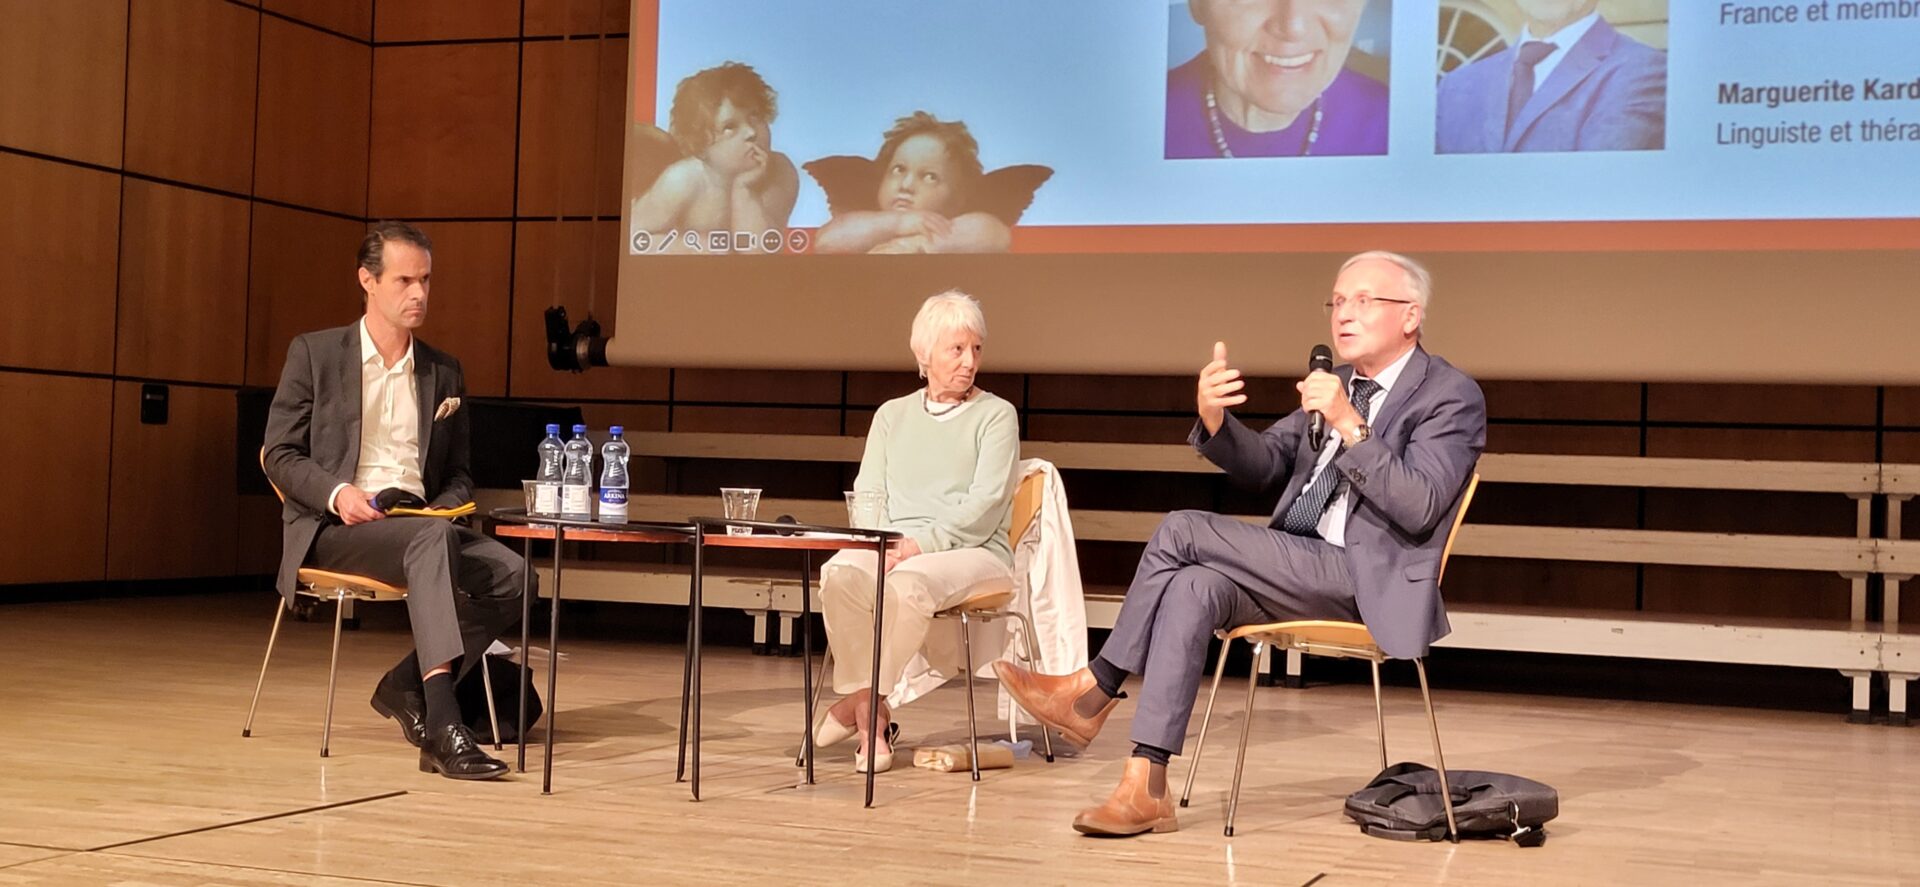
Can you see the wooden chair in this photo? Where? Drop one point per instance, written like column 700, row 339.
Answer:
column 1316, row 637
column 325, row 585
column 986, row 606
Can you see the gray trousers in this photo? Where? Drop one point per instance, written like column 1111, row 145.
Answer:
column 1203, row 571
column 463, row 587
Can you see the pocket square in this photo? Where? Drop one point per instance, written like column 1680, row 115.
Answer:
column 447, row 408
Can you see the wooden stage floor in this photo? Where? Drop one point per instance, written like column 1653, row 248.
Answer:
column 125, row 765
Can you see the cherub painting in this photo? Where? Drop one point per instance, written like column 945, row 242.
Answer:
column 925, row 192
column 715, row 168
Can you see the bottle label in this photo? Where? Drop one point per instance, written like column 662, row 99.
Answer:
column 613, row 505
column 613, row 496
column 576, row 499
column 546, row 499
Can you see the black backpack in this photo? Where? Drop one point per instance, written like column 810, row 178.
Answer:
column 1403, row 803
column 472, row 693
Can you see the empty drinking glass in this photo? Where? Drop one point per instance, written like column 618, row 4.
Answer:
column 740, row 503
column 866, row 509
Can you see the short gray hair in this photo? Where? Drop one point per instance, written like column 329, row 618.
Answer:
column 1419, row 281
column 942, row 314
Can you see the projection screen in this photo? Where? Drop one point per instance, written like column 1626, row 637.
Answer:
column 1709, row 191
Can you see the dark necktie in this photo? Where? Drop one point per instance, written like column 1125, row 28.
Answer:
column 1531, row 52
column 1303, row 516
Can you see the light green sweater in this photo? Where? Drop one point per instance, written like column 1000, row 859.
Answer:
column 949, row 484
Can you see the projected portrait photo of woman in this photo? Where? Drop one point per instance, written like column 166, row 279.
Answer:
column 1277, row 78
column 924, row 192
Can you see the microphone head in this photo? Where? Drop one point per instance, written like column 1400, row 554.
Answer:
column 1321, row 359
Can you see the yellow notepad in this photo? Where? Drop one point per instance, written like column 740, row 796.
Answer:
column 448, row 513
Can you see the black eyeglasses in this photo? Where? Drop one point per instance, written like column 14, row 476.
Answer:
column 1362, row 304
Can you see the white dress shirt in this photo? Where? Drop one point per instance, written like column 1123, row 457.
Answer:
column 1563, row 40
column 1333, row 521
column 389, row 425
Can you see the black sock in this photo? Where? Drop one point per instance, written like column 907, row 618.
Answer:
column 443, row 707
column 1108, row 676
column 1152, row 753
column 406, row 675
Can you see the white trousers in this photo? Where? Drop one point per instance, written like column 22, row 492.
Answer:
column 919, row 587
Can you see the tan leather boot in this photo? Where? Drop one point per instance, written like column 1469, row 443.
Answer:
column 1131, row 809
column 1050, row 699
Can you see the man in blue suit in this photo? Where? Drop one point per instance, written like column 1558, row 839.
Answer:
column 1357, row 535
column 1569, row 83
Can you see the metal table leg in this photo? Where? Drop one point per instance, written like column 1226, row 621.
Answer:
column 694, row 643
column 526, row 660
column 806, row 660
column 553, row 660
column 873, row 693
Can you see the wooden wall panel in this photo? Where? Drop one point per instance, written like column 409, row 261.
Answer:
column 444, row 131
column 761, row 420
column 183, row 263
column 558, row 130
column 301, row 279
column 257, row 536
column 1115, row 429
column 58, row 227
column 1581, row 440
column 397, row 20
column 313, row 124
column 1172, row 394
column 467, row 314
column 190, row 91
column 548, row 17
column 56, row 535
column 353, row 18
column 1802, row 404
column 65, row 69
column 580, row 254
column 1772, row 443
column 174, row 508
column 757, row 386
column 1562, row 400
column 1763, row 593
column 1902, row 406
column 1526, row 583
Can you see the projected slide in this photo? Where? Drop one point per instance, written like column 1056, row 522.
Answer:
column 764, row 127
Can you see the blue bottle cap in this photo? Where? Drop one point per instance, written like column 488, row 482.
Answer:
column 579, row 429
column 553, row 428
column 617, row 430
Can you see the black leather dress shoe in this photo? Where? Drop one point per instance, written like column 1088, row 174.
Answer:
column 455, row 753
column 410, row 709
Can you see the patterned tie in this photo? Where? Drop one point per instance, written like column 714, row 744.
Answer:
column 1303, row 516
column 1531, row 52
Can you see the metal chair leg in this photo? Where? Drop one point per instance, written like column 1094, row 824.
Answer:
column 820, row 682
column 1246, row 730
column 1033, row 661
column 333, row 667
column 493, row 714
column 1200, row 744
column 1379, row 714
column 279, row 611
column 973, row 733
column 1439, row 759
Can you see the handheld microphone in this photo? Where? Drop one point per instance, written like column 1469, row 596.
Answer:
column 1321, row 360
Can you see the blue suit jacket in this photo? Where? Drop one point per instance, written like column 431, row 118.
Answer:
column 1608, row 94
column 1405, row 486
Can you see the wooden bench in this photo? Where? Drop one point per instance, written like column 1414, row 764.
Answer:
column 1853, row 646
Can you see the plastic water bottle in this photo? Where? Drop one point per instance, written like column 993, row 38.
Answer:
column 613, row 478
column 546, row 477
column 576, row 477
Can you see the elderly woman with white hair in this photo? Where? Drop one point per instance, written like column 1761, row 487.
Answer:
column 944, row 457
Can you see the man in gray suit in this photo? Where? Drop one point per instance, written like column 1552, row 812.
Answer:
column 1569, row 82
column 367, row 409
column 1357, row 535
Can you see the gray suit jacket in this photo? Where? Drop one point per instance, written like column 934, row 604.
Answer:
column 313, row 434
column 1405, row 486
column 1608, row 94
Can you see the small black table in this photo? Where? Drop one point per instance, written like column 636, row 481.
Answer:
column 806, row 539
column 516, row 523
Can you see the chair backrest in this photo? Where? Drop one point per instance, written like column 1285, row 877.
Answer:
column 1026, row 506
column 1459, row 517
column 263, row 470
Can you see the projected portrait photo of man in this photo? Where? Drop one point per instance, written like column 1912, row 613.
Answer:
column 1277, row 78
column 924, row 192
column 714, row 168
column 1552, row 75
